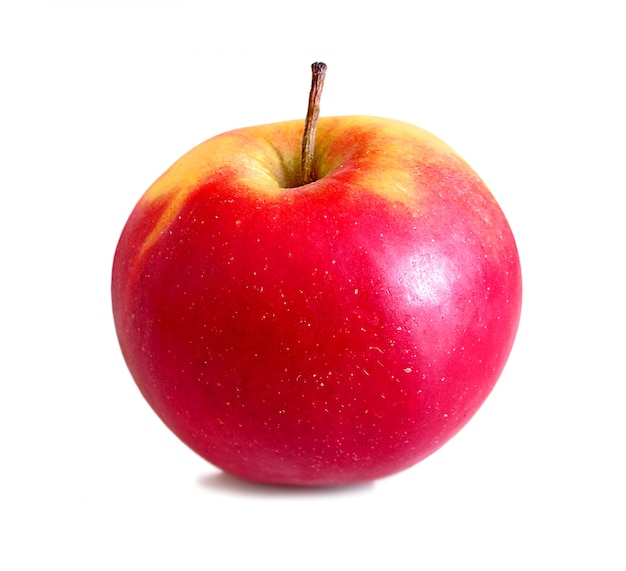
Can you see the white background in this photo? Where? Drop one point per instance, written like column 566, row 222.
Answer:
column 97, row 98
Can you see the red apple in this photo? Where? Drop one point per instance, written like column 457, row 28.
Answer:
column 324, row 333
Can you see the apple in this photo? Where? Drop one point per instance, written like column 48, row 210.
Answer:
column 323, row 323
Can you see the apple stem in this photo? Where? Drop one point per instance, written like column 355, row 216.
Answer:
column 318, row 70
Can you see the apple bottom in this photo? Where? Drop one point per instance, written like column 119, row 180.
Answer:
column 313, row 435
column 330, row 455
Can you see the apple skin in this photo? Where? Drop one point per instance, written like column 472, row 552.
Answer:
column 324, row 334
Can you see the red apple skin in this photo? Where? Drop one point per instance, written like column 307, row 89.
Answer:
column 325, row 334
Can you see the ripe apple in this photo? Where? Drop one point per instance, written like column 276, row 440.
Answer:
column 318, row 333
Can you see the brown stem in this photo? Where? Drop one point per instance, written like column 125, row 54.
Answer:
column 318, row 70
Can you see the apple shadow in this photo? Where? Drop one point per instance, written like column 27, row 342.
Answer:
column 226, row 483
